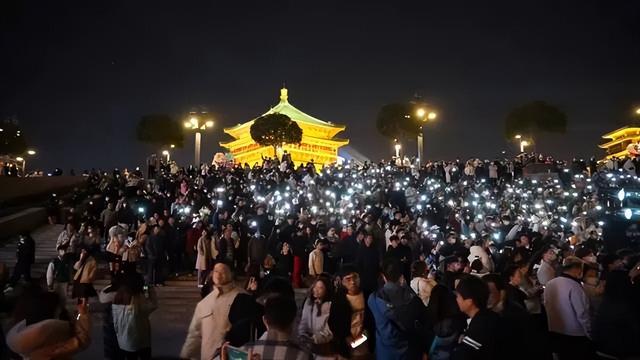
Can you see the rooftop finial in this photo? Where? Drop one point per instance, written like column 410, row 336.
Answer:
column 284, row 93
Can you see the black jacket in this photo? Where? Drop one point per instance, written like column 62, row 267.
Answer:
column 368, row 265
column 26, row 251
column 480, row 340
column 156, row 247
column 340, row 322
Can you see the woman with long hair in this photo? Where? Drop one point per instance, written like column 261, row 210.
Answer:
column 131, row 309
column 204, row 259
column 314, row 324
column 86, row 268
column 421, row 284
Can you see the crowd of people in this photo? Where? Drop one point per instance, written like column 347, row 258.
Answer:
column 449, row 260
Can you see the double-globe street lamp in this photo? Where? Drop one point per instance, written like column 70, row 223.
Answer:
column 23, row 160
column 523, row 143
column 423, row 115
column 198, row 122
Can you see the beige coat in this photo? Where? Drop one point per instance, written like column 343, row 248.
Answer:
column 132, row 252
column 204, row 253
column 85, row 274
column 50, row 339
column 316, row 262
column 209, row 324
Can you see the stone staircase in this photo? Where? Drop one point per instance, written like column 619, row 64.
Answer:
column 170, row 322
column 45, row 238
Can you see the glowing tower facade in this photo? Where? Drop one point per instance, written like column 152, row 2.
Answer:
column 619, row 140
column 318, row 138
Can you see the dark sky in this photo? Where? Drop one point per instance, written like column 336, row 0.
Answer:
column 79, row 75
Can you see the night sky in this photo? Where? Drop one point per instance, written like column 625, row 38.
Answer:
column 79, row 75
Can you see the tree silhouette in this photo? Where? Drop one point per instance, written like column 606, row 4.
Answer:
column 398, row 120
column 275, row 130
column 533, row 118
column 160, row 130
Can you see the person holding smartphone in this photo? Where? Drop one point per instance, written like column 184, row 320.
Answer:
column 347, row 317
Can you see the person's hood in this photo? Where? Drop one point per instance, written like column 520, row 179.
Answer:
column 25, row 340
column 395, row 294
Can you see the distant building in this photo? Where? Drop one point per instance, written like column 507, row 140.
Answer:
column 619, row 141
column 318, row 143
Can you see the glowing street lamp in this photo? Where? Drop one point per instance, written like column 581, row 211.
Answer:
column 166, row 153
column 196, row 124
column 523, row 143
column 398, row 147
column 638, row 111
column 423, row 115
column 23, row 160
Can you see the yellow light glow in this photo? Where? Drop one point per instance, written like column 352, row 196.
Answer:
column 19, row 158
column 518, row 136
column 638, row 111
column 187, row 124
column 31, row 152
column 172, row 146
column 420, row 112
column 524, row 143
column 165, row 152
column 432, row 116
column 209, row 123
column 194, row 120
column 318, row 144
column 398, row 146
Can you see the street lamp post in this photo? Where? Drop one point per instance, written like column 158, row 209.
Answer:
column 30, row 152
column 523, row 143
column 194, row 123
column 397, row 146
column 423, row 115
column 24, row 163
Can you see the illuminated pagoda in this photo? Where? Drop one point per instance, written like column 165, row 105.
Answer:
column 318, row 142
column 619, row 140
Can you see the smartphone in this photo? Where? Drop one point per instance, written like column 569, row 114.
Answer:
column 359, row 341
column 234, row 353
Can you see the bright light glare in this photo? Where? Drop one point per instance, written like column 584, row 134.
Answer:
column 628, row 213
column 209, row 123
column 31, row 152
column 432, row 116
column 621, row 195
